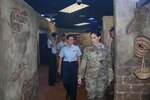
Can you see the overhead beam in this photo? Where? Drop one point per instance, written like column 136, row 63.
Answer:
column 142, row 3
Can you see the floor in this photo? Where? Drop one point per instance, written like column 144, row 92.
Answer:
column 57, row 92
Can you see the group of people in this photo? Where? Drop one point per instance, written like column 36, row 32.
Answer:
column 53, row 49
column 94, row 65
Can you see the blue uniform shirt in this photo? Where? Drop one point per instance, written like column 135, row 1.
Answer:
column 70, row 53
column 61, row 44
column 49, row 45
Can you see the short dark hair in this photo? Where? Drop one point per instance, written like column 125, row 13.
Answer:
column 112, row 29
column 69, row 35
column 96, row 32
column 54, row 34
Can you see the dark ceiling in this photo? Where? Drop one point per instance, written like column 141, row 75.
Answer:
column 96, row 9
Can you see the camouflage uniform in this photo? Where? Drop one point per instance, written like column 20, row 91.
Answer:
column 99, row 70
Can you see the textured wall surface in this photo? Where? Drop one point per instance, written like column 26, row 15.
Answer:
column 18, row 54
column 127, row 19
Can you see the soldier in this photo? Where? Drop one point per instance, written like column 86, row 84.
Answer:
column 99, row 74
column 112, row 35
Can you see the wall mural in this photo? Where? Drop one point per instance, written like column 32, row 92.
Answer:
column 139, row 21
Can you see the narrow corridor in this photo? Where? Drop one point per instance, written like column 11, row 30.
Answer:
column 57, row 92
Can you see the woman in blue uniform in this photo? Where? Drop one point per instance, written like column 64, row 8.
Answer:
column 70, row 62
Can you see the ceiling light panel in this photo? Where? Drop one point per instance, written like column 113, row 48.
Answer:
column 81, row 24
column 74, row 7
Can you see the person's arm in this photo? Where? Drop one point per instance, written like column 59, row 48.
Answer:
column 49, row 43
column 82, row 67
column 61, row 55
column 79, row 60
column 55, row 41
column 109, row 65
column 59, row 64
column 78, row 57
column 58, row 49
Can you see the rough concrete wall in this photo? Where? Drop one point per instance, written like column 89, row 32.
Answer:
column 18, row 54
column 2, row 50
column 146, row 29
column 124, row 13
column 128, row 86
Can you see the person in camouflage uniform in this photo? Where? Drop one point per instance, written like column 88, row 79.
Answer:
column 99, row 74
column 112, row 52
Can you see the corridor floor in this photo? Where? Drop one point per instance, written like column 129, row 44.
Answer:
column 56, row 92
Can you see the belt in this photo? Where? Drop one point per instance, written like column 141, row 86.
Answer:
column 70, row 61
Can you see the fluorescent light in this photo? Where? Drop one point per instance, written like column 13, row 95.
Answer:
column 74, row 7
column 91, row 18
column 81, row 15
column 42, row 15
column 48, row 19
column 81, row 24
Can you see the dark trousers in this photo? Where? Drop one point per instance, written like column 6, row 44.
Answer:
column 52, row 69
column 69, row 77
column 49, row 52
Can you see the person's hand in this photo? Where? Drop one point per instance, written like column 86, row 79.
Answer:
column 79, row 81
column 109, row 81
column 59, row 70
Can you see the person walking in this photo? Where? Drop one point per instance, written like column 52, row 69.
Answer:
column 97, row 61
column 61, row 44
column 69, row 58
column 112, row 49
